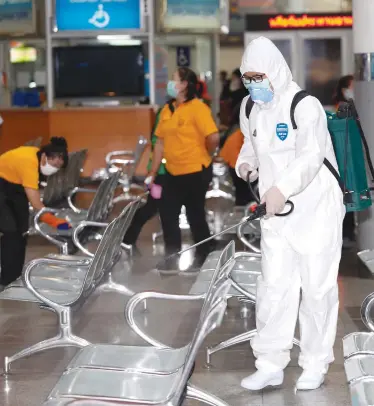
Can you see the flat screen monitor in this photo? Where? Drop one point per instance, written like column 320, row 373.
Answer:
column 23, row 55
column 98, row 71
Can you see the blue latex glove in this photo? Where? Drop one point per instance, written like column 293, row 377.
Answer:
column 64, row 226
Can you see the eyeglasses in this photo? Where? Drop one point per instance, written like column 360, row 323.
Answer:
column 255, row 79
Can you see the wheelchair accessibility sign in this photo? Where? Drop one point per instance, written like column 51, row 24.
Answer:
column 183, row 57
column 282, row 131
column 101, row 18
column 95, row 15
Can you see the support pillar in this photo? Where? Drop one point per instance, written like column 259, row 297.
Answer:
column 363, row 48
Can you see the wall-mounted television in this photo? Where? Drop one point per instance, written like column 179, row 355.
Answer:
column 98, row 71
column 23, row 55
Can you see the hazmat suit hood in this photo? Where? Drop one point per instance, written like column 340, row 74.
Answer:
column 261, row 55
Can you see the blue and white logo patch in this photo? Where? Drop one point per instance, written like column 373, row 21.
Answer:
column 282, row 131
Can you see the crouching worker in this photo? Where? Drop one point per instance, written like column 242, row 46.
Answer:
column 21, row 169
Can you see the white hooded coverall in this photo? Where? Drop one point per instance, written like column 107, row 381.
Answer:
column 302, row 250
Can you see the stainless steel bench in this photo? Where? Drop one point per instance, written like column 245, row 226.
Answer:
column 244, row 279
column 158, row 375
column 358, row 348
column 63, row 284
column 98, row 211
column 128, row 162
column 60, row 185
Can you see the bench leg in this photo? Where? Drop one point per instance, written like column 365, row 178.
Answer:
column 157, row 235
column 65, row 338
column 205, row 397
column 111, row 286
column 239, row 339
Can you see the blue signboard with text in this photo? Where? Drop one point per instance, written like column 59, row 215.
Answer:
column 11, row 10
column 16, row 16
column 96, row 15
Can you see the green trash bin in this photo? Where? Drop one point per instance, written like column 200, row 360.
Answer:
column 355, row 178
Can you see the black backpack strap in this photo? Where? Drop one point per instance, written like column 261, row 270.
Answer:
column 335, row 173
column 296, row 100
column 248, row 107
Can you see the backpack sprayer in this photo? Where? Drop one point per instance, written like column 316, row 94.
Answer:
column 258, row 211
column 349, row 144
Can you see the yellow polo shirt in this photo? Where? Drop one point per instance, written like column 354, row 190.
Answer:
column 184, row 134
column 21, row 166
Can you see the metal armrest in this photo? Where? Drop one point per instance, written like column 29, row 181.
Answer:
column 27, row 276
column 140, row 297
column 70, row 259
column 112, row 154
column 118, row 161
column 247, row 243
column 73, row 193
column 243, row 254
column 79, row 228
column 366, row 308
column 62, row 245
column 241, row 290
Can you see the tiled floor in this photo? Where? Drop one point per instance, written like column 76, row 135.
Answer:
column 101, row 321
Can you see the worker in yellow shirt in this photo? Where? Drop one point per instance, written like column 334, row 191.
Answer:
column 230, row 151
column 21, row 169
column 187, row 139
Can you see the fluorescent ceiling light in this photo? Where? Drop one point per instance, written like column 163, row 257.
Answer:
column 125, row 42
column 112, row 37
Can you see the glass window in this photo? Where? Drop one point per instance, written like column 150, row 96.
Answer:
column 322, row 67
column 284, row 45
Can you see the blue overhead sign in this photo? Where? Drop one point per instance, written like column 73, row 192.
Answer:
column 202, row 15
column 16, row 16
column 206, row 8
column 98, row 15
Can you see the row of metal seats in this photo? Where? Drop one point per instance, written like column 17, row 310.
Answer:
column 63, row 283
column 358, row 348
column 148, row 375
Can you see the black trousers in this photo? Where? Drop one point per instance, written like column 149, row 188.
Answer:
column 243, row 195
column 349, row 226
column 189, row 191
column 145, row 213
column 14, row 223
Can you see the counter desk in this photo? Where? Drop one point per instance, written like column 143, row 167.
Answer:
column 100, row 130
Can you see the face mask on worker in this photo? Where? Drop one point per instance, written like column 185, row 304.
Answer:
column 47, row 169
column 171, row 89
column 348, row 94
column 235, row 85
column 261, row 92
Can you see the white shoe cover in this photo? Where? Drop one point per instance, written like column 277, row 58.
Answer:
column 260, row 379
column 310, row 380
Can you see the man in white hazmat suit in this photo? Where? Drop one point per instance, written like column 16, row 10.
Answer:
column 302, row 250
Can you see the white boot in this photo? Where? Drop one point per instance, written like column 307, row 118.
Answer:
column 260, row 379
column 310, row 380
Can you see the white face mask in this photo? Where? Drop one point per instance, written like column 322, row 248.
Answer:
column 235, row 85
column 348, row 94
column 48, row 169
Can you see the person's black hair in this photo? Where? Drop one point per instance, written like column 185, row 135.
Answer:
column 189, row 76
column 343, row 83
column 237, row 73
column 223, row 74
column 57, row 147
column 199, row 90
